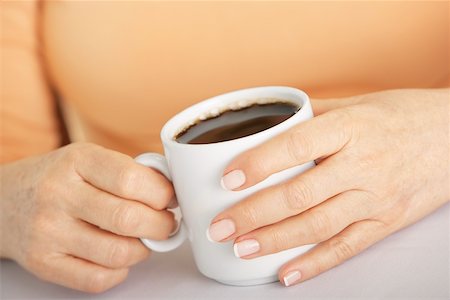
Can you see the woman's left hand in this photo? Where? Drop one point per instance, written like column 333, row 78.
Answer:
column 382, row 164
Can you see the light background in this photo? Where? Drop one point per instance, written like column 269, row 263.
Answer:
column 411, row 264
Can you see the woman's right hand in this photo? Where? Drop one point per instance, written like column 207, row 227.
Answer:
column 73, row 216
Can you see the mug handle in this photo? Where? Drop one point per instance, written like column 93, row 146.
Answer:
column 159, row 162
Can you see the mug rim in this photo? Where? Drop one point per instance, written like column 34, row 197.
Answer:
column 183, row 118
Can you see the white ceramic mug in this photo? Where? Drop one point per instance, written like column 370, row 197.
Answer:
column 196, row 171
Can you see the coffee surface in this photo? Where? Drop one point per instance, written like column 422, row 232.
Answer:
column 234, row 124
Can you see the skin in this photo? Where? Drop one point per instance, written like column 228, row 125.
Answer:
column 72, row 216
column 382, row 164
column 75, row 217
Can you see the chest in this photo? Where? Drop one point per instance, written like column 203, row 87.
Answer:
column 147, row 60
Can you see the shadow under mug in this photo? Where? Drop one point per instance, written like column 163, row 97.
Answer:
column 196, row 170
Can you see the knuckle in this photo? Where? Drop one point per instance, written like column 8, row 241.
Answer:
column 320, row 225
column 343, row 125
column 250, row 215
column 342, row 116
column 297, row 195
column 83, row 146
column 68, row 157
column 342, row 249
column 256, row 164
column 119, row 254
column 127, row 179
column 348, row 125
column 125, row 219
column 72, row 152
column 299, row 146
column 280, row 240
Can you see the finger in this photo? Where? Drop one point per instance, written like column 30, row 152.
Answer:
column 81, row 275
column 120, row 216
column 321, row 136
column 281, row 201
column 326, row 255
column 120, row 175
column 312, row 226
column 321, row 106
column 107, row 249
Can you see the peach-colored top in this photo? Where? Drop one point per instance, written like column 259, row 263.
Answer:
column 123, row 68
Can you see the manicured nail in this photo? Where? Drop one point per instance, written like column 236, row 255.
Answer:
column 245, row 248
column 233, row 180
column 292, row 277
column 220, row 230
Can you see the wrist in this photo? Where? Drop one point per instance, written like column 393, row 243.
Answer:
column 13, row 183
column 4, row 213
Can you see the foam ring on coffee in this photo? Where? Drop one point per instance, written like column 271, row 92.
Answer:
column 240, row 107
column 237, row 105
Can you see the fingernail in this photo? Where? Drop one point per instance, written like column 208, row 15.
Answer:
column 245, row 248
column 233, row 180
column 292, row 277
column 220, row 230
column 173, row 203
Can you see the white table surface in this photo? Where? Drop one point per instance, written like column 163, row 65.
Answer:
column 411, row 264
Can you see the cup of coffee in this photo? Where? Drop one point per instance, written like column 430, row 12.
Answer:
column 199, row 143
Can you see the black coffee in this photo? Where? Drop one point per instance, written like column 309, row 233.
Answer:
column 234, row 124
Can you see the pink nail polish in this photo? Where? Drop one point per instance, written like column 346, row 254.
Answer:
column 220, row 230
column 292, row 277
column 233, row 180
column 246, row 247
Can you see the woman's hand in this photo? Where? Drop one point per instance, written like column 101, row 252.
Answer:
column 382, row 164
column 73, row 216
